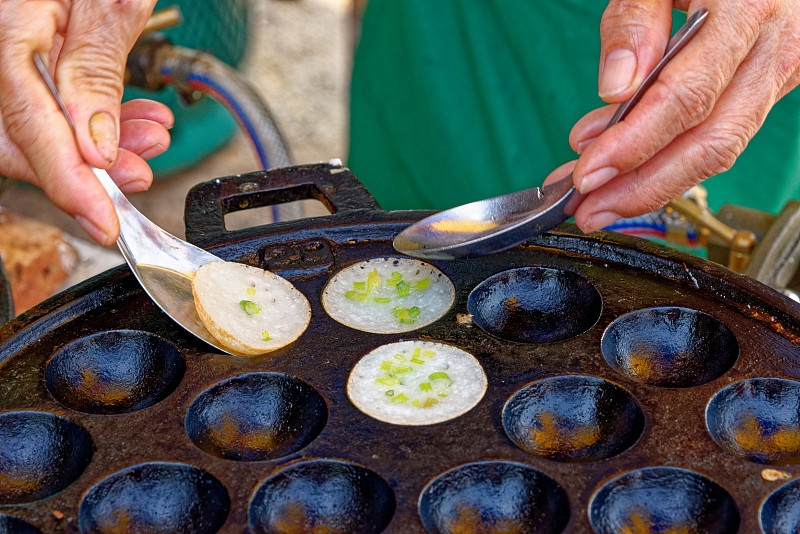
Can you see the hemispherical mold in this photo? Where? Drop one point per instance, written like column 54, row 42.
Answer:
column 663, row 499
column 155, row 498
column 114, row 372
column 535, row 304
column 494, row 496
column 669, row 347
column 14, row 525
column 573, row 418
column 256, row 416
column 780, row 513
column 758, row 419
column 40, row 454
column 332, row 496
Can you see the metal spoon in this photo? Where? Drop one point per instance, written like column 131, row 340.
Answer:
column 499, row 223
column 163, row 264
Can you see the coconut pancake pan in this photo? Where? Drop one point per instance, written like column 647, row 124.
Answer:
column 629, row 388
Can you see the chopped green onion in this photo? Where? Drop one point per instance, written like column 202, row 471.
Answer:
column 387, row 381
column 392, row 281
column 355, row 295
column 251, row 291
column 417, row 352
column 428, row 353
column 442, row 394
column 382, row 299
column 401, row 312
column 420, row 284
column 399, row 398
column 400, row 369
column 440, row 381
column 390, row 393
column 250, row 307
column 399, row 357
column 359, row 285
column 417, row 403
column 439, row 376
column 373, row 279
column 265, row 336
column 414, row 311
column 386, row 366
column 403, row 288
column 425, row 386
column 417, row 361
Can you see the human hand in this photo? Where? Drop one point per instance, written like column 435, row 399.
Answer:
column 87, row 43
column 700, row 114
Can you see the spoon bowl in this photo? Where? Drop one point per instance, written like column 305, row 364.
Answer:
column 491, row 225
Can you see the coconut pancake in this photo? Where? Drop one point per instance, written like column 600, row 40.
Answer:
column 388, row 295
column 416, row 383
column 249, row 310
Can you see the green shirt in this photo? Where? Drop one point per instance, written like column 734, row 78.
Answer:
column 458, row 100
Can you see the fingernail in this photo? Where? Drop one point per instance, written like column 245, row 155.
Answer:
column 153, row 151
column 618, row 71
column 583, row 144
column 94, row 232
column 595, row 179
column 134, row 187
column 103, row 130
column 600, row 220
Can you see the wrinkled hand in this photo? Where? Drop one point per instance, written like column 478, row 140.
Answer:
column 86, row 42
column 700, row 114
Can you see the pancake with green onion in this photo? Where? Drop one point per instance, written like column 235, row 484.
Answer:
column 249, row 310
column 416, row 383
column 388, row 295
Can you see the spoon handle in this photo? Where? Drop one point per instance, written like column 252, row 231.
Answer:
column 675, row 44
column 569, row 198
column 141, row 241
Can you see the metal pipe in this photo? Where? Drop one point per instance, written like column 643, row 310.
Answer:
column 154, row 62
column 192, row 70
column 163, row 19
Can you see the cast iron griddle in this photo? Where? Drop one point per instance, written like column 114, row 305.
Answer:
column 632, row 388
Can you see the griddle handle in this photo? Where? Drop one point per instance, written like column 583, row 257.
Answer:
column 207, row 203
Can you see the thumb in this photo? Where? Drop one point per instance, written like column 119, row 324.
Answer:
column 91, row 68
column 633, row 36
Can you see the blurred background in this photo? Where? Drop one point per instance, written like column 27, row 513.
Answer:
column 296, row 54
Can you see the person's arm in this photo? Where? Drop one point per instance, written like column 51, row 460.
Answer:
column 86, row 43
column 700, row 114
